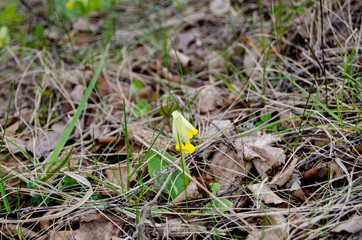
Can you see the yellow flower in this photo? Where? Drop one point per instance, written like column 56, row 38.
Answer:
column 4, row 36
column 70, row 5
column 183, row 130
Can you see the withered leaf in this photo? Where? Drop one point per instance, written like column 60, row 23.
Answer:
column 264, row 193
column 43, row 143
column 192, row 192
column 178, row 228
column 209, row 98
column 93, row 228
column 228, row 168
column 353, row 225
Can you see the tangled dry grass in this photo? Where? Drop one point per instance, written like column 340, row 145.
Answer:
column 274, row 89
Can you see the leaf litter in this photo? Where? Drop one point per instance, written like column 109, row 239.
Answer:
column 270, row 160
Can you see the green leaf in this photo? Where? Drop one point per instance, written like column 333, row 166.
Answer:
column 217, row 206
column 68, row 182
column 214, row 188
column 156, row 164
column 265, row 117
column 136, row 87
column 9, row 15
column 142, row 108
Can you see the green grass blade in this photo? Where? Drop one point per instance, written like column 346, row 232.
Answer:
column 63, row 139
column 311, row 96
column 64, row 161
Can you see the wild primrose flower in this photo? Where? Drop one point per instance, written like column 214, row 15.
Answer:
column 183, row 131
column 70, row 3
column 4, row 36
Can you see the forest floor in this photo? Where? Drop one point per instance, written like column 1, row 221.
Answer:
column 87, row 149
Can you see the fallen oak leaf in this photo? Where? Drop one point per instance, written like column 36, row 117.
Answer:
column 264, row 157
column 228, row 168
column 93, row 227
column 264, row 193
column 352, row 225
column 283, row 177
column 192, row 192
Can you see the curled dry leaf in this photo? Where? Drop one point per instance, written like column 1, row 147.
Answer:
column 316, row 174
column 264, row 157
column 300, row 195
column 264, row 193
column 209, row 98
column 259, row 139
column 219, row 7
column 228, row 168
column 178, row 228
column 93, row 227
column 142, row 135
column 183, row 58
column 192, row 192
column 294, row 185
column 117, row 174
column 15, row 229
column 184, row 40
column 353, row 225
column 277, row 231
column 283, row 177
column 119, row 143
column 43, row 143
column 336, row 171
column 77, row 94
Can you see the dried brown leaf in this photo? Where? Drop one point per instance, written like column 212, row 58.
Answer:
column 283, row 177
column 141, row 135
column 264, row 193
column 183, row 58
column 43, row 143
column 264, row 157
column 178, row 228
column 228, row 169
column 352, row 225
column 300, row 195
column 94, row 227
column 209, row 98
column 212, row 130
column 192, row 192
column 316, row 174
column 290, row 124
column 219, row 7
column 77, row 93
column 258, row 139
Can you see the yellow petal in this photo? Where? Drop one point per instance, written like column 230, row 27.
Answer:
column 69, row 5
column 178, row 146
column 189, row 147
column 190, row 134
